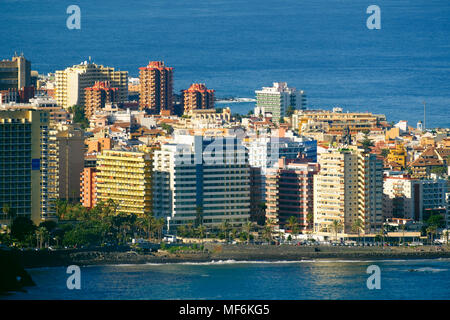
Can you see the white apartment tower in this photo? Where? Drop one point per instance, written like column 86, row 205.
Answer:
column 348, row 187
column 276, row 100
column 71, row 82
column 201, row 180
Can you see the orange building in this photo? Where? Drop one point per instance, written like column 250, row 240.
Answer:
column 88, row 190
column 98, row 95
column 98, row 145
column 198, row 97
column 156, row 87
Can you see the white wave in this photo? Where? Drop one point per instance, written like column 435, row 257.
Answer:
column 225, row 262
column 427, row 269
column 237, row 100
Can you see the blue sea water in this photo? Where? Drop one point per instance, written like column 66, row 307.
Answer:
column 400, row 279
column 237, row 46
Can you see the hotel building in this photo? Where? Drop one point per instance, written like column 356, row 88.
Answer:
column 156, row 87
column 72, row 82
column 276, row 100
column 290, row 193
column 88, row 187
column 28, row 164
column 98, row 96
column 348, row 187
column 264, row 153
column 71, row 161
column 198, row 97
column 15, row 74
column 125, row 178
column 206, row 176
column 335, row 121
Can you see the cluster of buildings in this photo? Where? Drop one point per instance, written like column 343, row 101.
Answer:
column 179, row 158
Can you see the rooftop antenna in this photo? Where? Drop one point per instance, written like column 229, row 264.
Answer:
column 424, row 114
column 90, row 59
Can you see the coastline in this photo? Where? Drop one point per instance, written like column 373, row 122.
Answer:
column 235, row 253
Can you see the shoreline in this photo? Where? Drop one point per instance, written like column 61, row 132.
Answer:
column 227, row 253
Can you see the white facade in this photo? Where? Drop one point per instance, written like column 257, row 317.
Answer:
column 275, row 100
column 192, row 176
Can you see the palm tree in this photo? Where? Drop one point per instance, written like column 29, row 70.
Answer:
column 248, row 228
column 201, row 232
column 268, row 230
column 446, row 236
column 293, row 225
column 159, row 225
column 432, row 231
column 9, row 213
column 336, row 227
column 356, row 227
column 267, row 233
column 310, row 220
column 61, row 208
column 381, row 234
column 403, row 228
column 41, row 234
column 198, row 216
column 225, row 226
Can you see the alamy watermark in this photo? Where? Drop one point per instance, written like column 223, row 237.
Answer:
column 74, row 20
column 374, row 20
column 374, row 280
column 74, row 280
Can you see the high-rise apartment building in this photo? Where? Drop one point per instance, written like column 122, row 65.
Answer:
column 28, row 164
column 276, row 100
column 71, row 161
column 125, row 178
column 88, row 187
column 290, row 193
column 72, row 82
column 264, row 153
column 15, row 74
column 348, row 187
column 198, row 97
column 201, row 180
column 98, row 96
column 156, row 87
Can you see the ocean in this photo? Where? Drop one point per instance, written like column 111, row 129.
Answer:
column 236, row 47
column 327, row 279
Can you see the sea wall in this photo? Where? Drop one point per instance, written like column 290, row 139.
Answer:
column 32, row 259
column 13, row 276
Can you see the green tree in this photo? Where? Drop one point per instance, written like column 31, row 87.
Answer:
column 268, row 230
column 21, row 228
column 167, row 128
column 61, row 208
column 290, row 111
column 310, row 219
column 431, row 230
column 436, row 220
column 226, row 228
column 293, row 225
column 85, row 234
column 384, row 153
column 439, row 171
column 9, row 213
column 42, row 235
column 366, row 143
column 336, row 226
column 198, row 216
column 79, row 116
column 248, row 229
column 446, row 236
column 357, row 226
